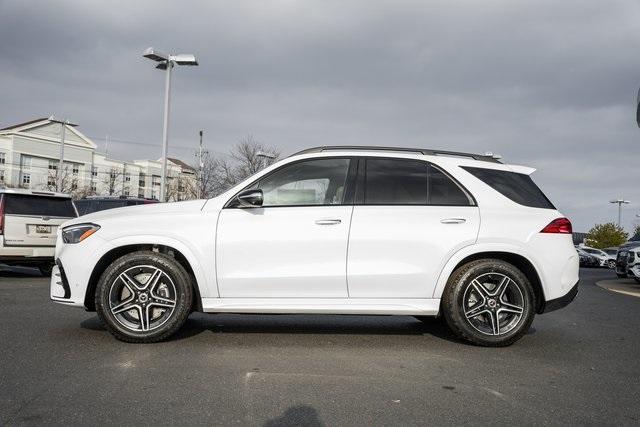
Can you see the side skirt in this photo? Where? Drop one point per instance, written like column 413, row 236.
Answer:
column 408, row 307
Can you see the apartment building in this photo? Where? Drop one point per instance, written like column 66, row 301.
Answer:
column 29, row 158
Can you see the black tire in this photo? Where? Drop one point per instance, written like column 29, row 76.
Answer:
column 621, row 275
column 636, row 279
column 480, row 329
column 173, row 305
column 611, row 264
column 46, row 268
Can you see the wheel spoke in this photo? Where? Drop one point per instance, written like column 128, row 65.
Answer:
column 507, row 307
column 144, row 317
column 153, row 280
column 123, row 306
column 130, row 281
column 476, row 310
column 163, row 303
column 479, row 289
column 502, row 286
column 495, row 322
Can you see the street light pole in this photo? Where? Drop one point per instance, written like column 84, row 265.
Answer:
column 167, row 62
column 200, row 169
column 165, row 132
column 620, row 202
column 63, row 128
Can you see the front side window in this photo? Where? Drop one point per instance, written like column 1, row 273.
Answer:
column 409, row 182
column 307, row 183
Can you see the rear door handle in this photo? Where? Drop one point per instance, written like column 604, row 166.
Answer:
column 328, row 221
column 453, row 220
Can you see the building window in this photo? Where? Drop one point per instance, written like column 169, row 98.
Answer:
column 113, row 174
column 25, row 162
column 155, row 180
column 126, row 191
column 74, row 186
column 75, row 169
column 26, row 179
column 53, row 165
column 51, row 180
column 127, row 177
column 2, row 158
column 94, row 172
column 93, row 187
column 1, row 175
column 141, row 194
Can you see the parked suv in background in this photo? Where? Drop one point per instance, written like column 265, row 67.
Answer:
column 94, row 204
column 332, row 230
column 628, row 258
column 29, row 221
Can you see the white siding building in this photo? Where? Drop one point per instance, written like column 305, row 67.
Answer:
column 29, row 155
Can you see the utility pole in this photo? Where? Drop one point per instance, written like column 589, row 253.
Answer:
column 201, row 167
column 63, row 128
column 620, row 202
column 106, row 146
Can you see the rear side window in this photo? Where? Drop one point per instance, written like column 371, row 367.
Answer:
column 22, row 204
column 516, row 186
column 409, row 182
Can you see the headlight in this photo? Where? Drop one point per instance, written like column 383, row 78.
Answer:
column 77, row 233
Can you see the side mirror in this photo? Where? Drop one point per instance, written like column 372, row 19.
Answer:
column 250, row 198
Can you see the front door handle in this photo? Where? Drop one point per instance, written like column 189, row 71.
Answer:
column 328, row 221
column 453, row 220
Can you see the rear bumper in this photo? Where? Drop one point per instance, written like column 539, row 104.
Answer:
column 18, row 253
column 563, row 301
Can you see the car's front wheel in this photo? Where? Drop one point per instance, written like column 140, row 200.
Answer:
column 144, row 297
column 611, row 264
column 489, row 302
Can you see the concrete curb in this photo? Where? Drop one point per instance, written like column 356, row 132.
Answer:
column 622, row 286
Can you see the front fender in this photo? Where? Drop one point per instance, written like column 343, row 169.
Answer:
column 203, row 272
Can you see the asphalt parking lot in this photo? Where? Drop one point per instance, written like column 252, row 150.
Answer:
column 580, row 365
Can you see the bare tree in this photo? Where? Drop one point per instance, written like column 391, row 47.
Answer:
column 252, row 156
column 247, row 157
column 113, row 181
column 70, row 181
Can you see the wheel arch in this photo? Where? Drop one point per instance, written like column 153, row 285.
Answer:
column 519, row 260
column 110, row 256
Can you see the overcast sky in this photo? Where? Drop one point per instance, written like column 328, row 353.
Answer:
column 547, row 84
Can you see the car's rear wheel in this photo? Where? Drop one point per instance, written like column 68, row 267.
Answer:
column 144, row 297
column 489, row 302
column 611, row 264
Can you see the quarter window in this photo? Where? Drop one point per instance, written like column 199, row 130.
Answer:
column 410, row 182
column 313, row 182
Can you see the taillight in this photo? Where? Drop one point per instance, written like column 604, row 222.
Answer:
column 2, row 214
column 558, row 226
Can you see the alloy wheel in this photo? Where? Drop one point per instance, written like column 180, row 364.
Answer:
column 142, row 298
column 493, row 303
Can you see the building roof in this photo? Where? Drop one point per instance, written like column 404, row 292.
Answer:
column 180, row 163
column 25, row 123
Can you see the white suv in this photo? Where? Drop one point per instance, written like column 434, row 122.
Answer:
column 335, row 230
column 29, row 222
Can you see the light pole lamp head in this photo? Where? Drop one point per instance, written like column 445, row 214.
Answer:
column 155, row 55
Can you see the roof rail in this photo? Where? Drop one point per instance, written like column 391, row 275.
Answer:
column 426, row 151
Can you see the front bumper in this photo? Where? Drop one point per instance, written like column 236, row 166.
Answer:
column 563, row 301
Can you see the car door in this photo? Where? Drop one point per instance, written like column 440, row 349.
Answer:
column 295, row 244
column 409, row 218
